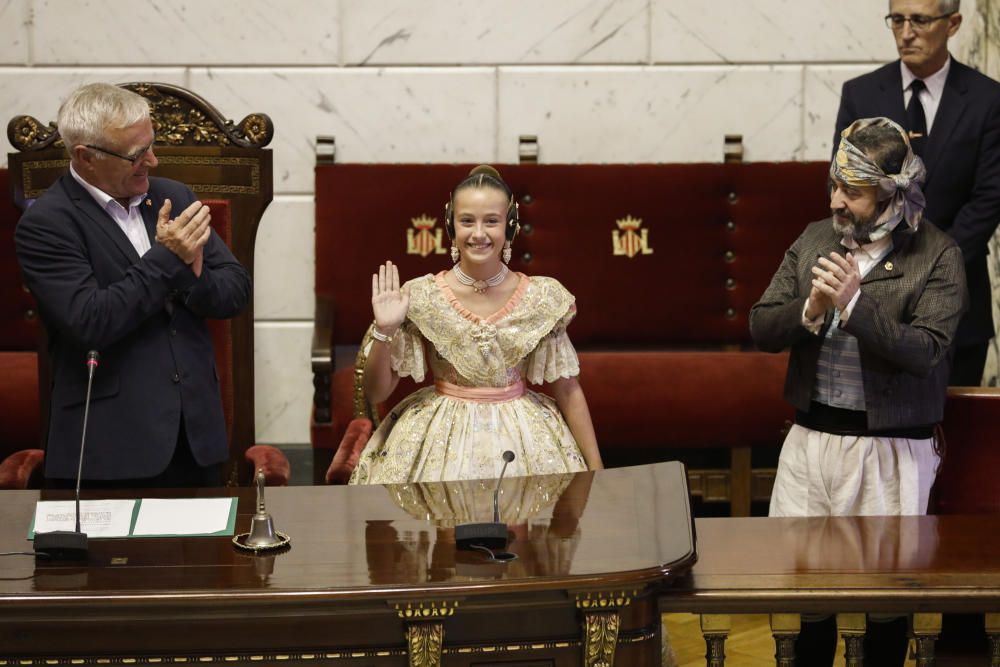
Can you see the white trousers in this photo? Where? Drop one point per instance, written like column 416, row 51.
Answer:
column 821, row 474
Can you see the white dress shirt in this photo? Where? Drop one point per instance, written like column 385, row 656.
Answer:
column 930, row 96
column 129, row 221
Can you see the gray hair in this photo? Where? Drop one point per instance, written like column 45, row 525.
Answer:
column 91, row 110
column 944, row 6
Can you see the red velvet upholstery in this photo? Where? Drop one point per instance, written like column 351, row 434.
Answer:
column 568, row 215
column 346, row 458
column 272, row 461
column 16, row 470
column 20, row 433
column 221, row 330
column 19, row 324
column 686, row 399
column 969, row 479
column 277, row 469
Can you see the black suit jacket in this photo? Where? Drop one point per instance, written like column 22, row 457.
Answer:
column 146, row 317
column 962, row 155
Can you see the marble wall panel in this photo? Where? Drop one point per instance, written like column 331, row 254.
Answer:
column 282, row 382
column 651, row 114
column 376, row 115
column 237, row 32
column 39, row 92
column 781, row 31
column 284, row 271
column 788, row 31
column 822, row 100
column 991, row 29
column 15, row 19
column 454, row 32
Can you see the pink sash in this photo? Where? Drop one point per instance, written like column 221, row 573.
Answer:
column 480, row 394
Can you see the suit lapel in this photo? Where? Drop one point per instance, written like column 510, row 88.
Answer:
column 893, row 264
column 102, row 221
column 149, row 208
column 890, row 101
column 949, row 112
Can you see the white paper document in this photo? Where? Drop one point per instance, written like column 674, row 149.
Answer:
column 98, row 518
column 182, row 516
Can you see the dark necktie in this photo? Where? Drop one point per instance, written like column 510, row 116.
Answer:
column 916, row 121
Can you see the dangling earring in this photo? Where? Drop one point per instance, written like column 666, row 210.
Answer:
column 454, row 254
column 505, row 256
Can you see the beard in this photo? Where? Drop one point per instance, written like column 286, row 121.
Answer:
column 846, row 223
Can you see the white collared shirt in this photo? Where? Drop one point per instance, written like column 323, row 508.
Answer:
column 867, row 256
column 129, row 221
column 930, row 96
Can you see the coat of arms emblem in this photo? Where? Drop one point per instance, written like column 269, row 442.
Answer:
column 423, row 239
column 628, row 239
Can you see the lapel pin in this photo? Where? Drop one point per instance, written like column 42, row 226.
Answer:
column 149, row 202
column 888, row 266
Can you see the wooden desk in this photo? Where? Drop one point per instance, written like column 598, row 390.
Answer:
column 372, row 576
column 920, row 565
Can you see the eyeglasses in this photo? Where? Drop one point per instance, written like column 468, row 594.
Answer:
column 918, row 22
column 133, row 158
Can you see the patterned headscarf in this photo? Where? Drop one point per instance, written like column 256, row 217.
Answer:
column 906, row 199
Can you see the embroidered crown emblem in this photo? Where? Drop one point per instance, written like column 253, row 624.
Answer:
column 629, row 239
column 424, row 239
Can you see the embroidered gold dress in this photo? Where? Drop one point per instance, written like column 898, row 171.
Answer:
column 478, row 407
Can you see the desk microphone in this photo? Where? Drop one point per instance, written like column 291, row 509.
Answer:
column 493, row 536
column 71, row 544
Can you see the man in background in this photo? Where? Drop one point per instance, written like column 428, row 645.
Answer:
column 952, row 114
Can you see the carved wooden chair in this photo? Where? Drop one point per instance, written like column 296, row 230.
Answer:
column 227, row 165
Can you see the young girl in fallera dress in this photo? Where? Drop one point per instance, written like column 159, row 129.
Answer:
column 484, row 331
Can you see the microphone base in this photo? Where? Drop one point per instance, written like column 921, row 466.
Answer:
column 61, row 545
column 493, row 536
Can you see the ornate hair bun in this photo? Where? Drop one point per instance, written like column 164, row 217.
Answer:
column 487, row 170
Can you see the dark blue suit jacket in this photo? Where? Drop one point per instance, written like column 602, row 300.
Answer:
column 962, row 155
column 146, row 317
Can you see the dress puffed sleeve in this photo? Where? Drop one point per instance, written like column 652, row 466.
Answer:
column 406, row 352
column 554, row 357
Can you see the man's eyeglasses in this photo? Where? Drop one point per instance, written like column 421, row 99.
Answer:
column 133, row 158
column 918, row 22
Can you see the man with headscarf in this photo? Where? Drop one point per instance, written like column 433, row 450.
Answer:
column 868, row 302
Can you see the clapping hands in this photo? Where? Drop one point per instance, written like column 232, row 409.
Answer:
column 389, row 303
column 835, row 282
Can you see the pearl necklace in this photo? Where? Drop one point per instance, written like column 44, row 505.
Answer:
column 480, row 286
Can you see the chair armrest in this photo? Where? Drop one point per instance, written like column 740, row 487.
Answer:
column 272, row 461
column 322, row 360
column 349, row 451
column 18, row 469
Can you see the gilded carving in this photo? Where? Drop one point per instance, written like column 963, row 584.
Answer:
column 424, row 641
column 179, row 118
column 600, row 638
column 257, row 129
column 411, row 611
column 605, row 599
column 26, row 133
column 252, row 165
